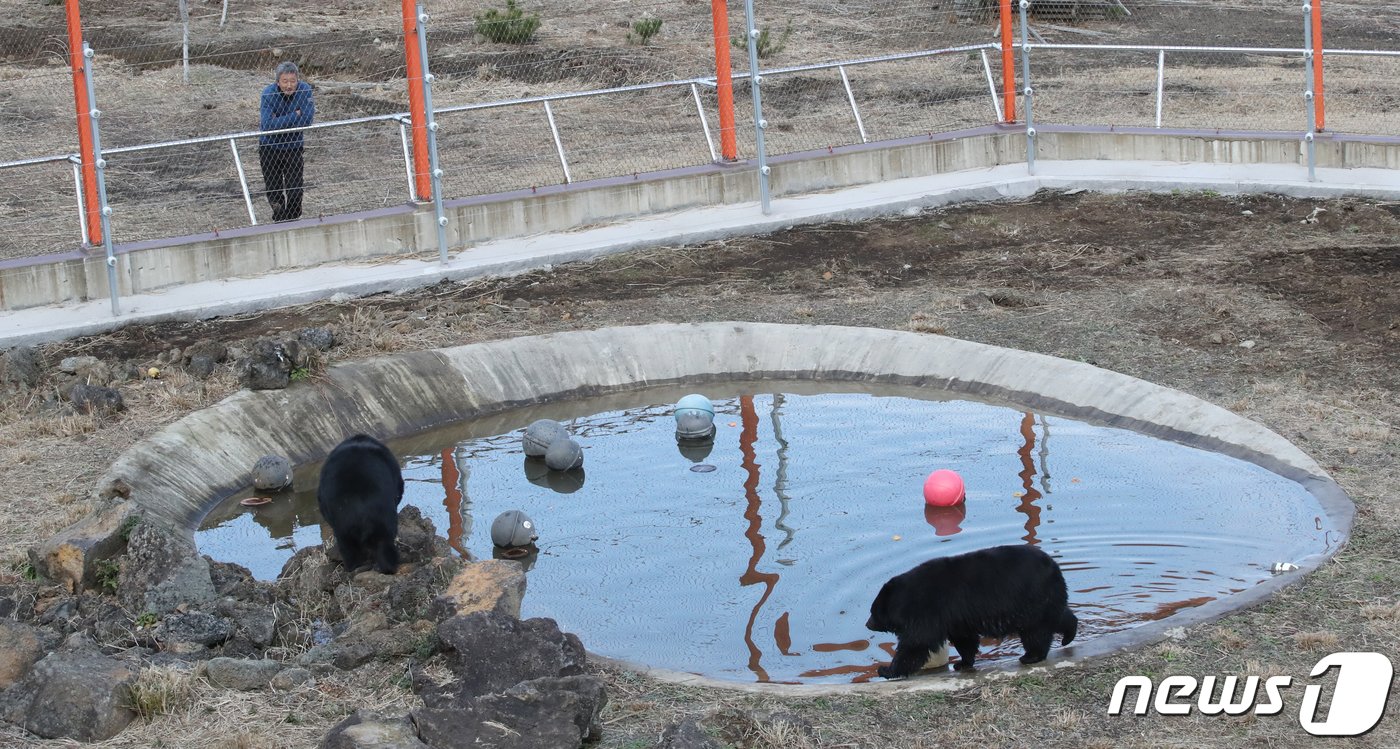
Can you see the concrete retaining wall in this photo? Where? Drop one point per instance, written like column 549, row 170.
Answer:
column 253, row 251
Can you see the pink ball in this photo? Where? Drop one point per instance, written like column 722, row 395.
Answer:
column 944, row 488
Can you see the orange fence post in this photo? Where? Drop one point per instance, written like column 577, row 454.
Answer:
column 1317, row 62
column 724, row 81
column 422, row 182
column 85, row 151
column 1008, row 66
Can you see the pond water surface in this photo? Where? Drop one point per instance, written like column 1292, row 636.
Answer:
column 763, row 569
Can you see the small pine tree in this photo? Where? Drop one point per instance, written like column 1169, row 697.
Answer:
column 643, row 29
column 509, row 27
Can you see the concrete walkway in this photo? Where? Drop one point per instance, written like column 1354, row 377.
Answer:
column 511, row 256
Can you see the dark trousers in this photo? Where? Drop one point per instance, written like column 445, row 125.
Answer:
column 281, row 169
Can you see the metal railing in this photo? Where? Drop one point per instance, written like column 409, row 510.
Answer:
column 1160, row 91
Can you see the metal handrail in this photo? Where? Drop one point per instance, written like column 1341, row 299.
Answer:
column 702, row 81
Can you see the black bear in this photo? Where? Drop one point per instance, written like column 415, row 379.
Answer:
column 992, row 592
column 359, row 493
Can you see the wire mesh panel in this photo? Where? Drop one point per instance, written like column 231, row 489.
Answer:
column 38, row 210
column 1362, row 94
column 630, row 133
column 926, row 95
column 1096, row 87
column 497, row 149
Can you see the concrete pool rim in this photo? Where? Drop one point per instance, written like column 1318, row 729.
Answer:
column 183, row 471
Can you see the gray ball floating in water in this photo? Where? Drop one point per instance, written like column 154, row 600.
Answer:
column 513, row 528
column 272, row 473
column 564, row 455
column 540, row 435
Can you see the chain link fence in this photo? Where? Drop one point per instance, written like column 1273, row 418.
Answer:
column 529, row 94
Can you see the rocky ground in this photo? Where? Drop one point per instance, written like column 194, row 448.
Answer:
column 1280, row 309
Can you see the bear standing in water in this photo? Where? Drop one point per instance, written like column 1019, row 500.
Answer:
column 992, row 592
column 359, row 493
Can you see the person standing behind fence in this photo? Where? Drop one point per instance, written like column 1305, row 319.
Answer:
column 285, row 103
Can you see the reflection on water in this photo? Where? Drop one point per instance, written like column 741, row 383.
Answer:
column 814, row 502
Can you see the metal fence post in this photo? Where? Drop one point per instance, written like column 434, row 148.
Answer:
column 243, row 181
column 759, row 123
column 432, row 136
column 105, row 210
column 1309, row 139
column 1027, row 92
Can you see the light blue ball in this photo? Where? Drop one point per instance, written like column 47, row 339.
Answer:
column 695, row 402
column 695, row 417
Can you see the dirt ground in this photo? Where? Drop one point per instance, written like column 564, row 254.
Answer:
column 1162, row 287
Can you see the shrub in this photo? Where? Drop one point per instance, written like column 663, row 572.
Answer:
column 509, row 27
column 643, row 29
column 766, row 43
column 107, row 573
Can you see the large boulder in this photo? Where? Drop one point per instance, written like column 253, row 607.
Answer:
column 547, row 713
column 491, row 585
column 72, row 695
column 491, row 652
column 162, row 571
column 70, row 558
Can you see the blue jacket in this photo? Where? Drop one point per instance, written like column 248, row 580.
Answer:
column 280, row 111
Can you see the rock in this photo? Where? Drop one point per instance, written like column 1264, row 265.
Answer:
column 550, row 712
column 495, row 585
column 272, row 473
column 201, row 367
column 256, row 622
column 367, row 730
column 70, row 558
column 96, row 399
column 72, row 696
column 19, row 649
column 411, row 596
column 20, row 366
column 243, row 674
column 89, row 369
column 417, row 539
column 687, row 735
column 1248, row 344
column 236, row 581
column 309, row 576
column 162, row 571
column 215, row 352
column 319, row 339
column 352, row 652
column 290, row 678
column 192, row 632
column 268, row 367
column 490, row 652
